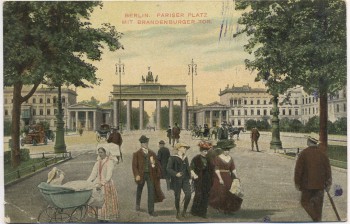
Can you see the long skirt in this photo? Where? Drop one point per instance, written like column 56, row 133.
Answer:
column 110, row 208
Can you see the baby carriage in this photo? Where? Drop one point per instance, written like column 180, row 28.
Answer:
column 65, row 204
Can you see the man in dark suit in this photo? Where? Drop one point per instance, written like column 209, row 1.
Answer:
column 146, row 168
column 179, row 170
column 116, row 138
column 254, row 137
column 163, row 157
column 175, row 132
column 223, row 132
column 312, row 176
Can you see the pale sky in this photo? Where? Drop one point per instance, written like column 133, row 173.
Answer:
column 168, row 49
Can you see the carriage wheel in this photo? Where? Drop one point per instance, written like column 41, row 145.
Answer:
column 51, row 214
column 83, row 213
column 98, row 137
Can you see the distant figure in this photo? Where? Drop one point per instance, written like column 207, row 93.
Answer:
column 146, row 169
column 175, row 134
column 116, row 138
column 254, row 137
column 223, row 132
column 312, row 176
column 163, row 157
column 168, row 134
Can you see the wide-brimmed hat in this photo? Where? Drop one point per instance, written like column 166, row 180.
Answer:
column 225, row 144
column 143, row 139
column 161, row 142
column 205, row 145
column 311, row 140
column 179, row 145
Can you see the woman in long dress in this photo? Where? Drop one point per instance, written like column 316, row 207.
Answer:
column 225, row 171
column 101, row 176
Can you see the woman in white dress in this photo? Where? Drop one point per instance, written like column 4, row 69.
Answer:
column 101, row 176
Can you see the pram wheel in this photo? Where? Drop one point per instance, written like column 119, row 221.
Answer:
column 51, row 214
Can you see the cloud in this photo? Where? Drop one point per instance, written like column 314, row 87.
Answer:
column 223, row 65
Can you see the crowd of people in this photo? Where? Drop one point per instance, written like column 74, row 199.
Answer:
column 209, row 175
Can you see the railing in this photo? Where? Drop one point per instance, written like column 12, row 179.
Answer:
column 25, row 171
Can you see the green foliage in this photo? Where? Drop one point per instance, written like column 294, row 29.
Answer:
column 164, row 115
column 93, row 102
column 24, row 154
column 7, row 128
column 291, row 125
column 340, row 126
column 249, row 124
column 263, row 125
column 135, row 118
column 313, row 124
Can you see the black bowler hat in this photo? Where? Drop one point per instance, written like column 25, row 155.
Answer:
column 226, row 145
column 143, row 139
column 162, row 142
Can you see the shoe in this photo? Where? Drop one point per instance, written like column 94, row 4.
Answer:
column 137, row 208
column 153, row 214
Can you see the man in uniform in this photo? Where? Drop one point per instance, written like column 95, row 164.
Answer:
column 254, row 137
column 312, row 176
column 146, row 168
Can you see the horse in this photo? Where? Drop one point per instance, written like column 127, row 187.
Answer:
column 235, row 131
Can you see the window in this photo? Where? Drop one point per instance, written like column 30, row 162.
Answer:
column 34, row 112
column 296, row 102
column 34, row 100
column 41, row 112
column 303, row 100
column 265, row 102
column 309, row 110
column 48, row 100
column 233, row 122
column 258, row 102
column 245, row 112
column 239, row 112
column 251, row 102
column 63, row 99
column 239, row 122
column 245, row 102
column 54, row 100
column 284, row 112
column 41, row 100
column 271, row 112
column 296, row 112
column 232, row 112
column 239, row 102
column 344, row 107
column 55, row 111
column 290, row 111
column 48, row 112
column 6, row 112
column 231, row 102
column 338, row 108
column 313, row 110
column 5, row 100
column 251, row 112
column 316, row 110
column 258, row 112
column 265, row 112
column 235, row 102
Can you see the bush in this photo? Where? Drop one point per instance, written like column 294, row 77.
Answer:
column 24, row 155
column 7, row 128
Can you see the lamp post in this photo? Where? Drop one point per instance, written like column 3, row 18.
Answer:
column 192, row 70
column 60, row 146
column 119, row 69
column 66, row 116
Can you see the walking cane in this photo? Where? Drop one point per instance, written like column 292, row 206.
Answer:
column 333, row 205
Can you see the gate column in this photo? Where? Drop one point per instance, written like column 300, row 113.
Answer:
column 115, row 113
column 183, row 114
column 128, row 115
column 158, row 105
column 141, row 114
column 171, row 112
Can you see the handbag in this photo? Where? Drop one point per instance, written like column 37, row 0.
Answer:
column 97, row 198
column 236, row 188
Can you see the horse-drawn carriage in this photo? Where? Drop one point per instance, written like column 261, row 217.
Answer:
column 235, row 131
column 36, row 134
column 103, row 132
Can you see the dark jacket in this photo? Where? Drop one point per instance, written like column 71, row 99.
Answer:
column 138, row 163
column 176, row 165
column 163, row 157
column 204, row 172
column 312, row 170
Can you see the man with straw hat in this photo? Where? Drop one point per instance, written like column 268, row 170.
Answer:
column 312, row 176
column 179, row 170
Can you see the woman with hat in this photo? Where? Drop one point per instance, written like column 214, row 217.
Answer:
column 201, row 171
column 101, row 176
column 224, row 172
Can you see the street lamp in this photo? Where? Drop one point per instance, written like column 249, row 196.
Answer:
column 119, row 70
column 192, row 70
column 60, row 145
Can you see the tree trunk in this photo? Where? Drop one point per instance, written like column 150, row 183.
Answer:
column 16, row 120
column 323, row 120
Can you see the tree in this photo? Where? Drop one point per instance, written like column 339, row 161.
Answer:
column 164, row 114
column 298, row 43
column 249, row 124
column 47, row 42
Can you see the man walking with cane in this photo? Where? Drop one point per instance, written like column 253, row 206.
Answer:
column 312, row 176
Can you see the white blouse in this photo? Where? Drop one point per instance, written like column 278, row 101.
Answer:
column 102, row 171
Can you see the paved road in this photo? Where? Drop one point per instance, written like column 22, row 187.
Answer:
column 267, row 179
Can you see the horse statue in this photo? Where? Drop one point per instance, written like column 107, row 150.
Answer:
column 235, row 131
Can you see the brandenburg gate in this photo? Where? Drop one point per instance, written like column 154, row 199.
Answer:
column 149, row 90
